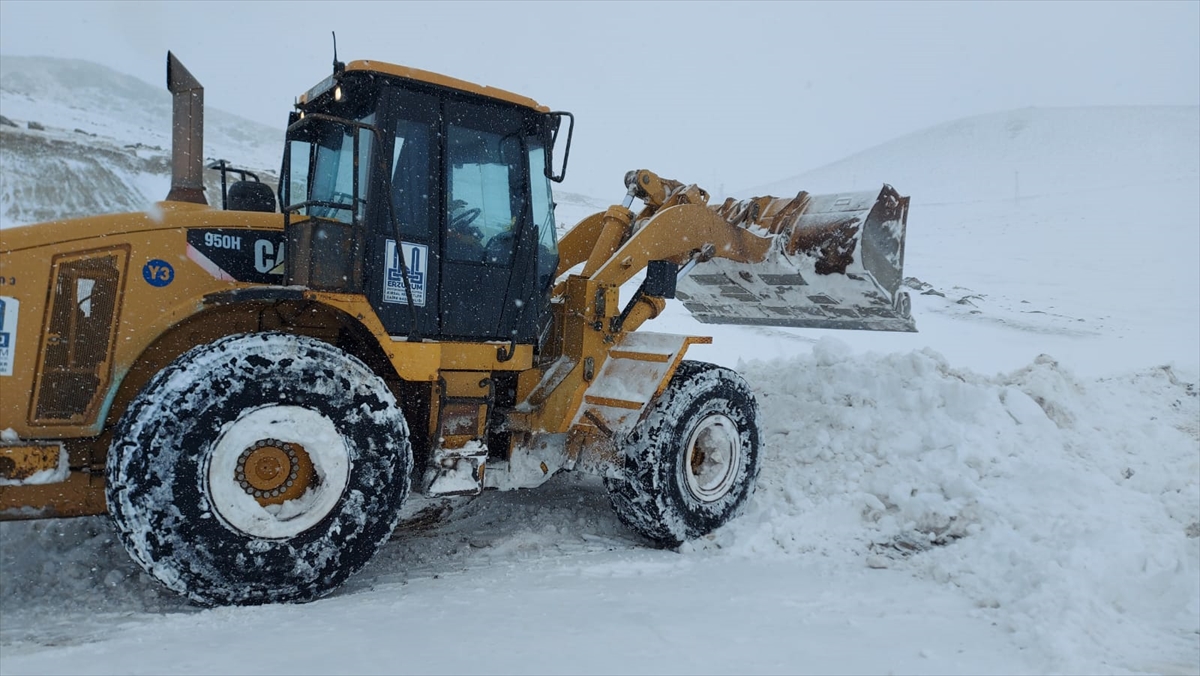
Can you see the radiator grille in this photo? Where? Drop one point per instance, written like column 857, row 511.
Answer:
column 77, row 342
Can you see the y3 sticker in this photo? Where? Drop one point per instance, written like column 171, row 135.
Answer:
column 416, row 260
column 8, row 334
column 158, row 273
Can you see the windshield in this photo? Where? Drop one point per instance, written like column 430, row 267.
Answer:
column 320, row 179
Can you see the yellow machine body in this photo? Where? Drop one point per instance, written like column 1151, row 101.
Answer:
column 93, row 308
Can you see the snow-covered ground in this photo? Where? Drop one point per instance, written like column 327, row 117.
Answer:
column 1014, row 489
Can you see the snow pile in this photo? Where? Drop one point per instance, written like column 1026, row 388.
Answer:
column 1066, row 510
column 1063, row 510
column 59, row 565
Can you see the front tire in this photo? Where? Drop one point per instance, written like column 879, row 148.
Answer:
column 259, row 468
column 692, row 462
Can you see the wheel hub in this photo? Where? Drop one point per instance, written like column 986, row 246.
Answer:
column 273, row 471
column 714, row 452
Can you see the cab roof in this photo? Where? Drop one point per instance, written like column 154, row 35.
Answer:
column 439, row 80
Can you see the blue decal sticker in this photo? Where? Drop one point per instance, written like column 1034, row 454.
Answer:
column 158, row 273
column 8, row 334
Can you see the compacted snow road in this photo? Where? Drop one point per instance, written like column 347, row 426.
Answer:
column 494, row 593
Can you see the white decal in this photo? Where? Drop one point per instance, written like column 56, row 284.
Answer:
column 8, row 334
column 416, row 259
column 217, row 241
column 266, row 259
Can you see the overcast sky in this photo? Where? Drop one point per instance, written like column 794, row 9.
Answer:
column 718, row 93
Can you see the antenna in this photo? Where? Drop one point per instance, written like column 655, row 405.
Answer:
column 338, row 66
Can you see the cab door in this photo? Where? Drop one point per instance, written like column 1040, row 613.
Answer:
column 411, row 204
column 484, row 208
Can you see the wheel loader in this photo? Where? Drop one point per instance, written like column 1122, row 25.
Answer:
column 252, row 392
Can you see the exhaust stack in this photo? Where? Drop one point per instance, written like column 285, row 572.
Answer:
column 187, row 134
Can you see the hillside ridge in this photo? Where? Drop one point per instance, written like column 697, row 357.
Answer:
column 106, row 137
column 1019, row 153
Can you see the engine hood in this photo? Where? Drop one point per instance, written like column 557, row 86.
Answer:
column 162, row 216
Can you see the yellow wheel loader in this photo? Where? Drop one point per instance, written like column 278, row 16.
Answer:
column 252, row 392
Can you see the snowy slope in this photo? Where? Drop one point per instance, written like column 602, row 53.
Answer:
column 1094, row 257
column 1024, row 153
column 104, row 145
column 1014, row 489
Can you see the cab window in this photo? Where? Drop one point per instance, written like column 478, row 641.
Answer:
column 410, row 183
column 321, row 169
column 483, row 206
column 543, row 215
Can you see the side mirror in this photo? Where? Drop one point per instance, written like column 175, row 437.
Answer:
column 555, row 120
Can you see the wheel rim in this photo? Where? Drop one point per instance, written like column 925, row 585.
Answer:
column 713, row 455
column 274, row 471
column 277, row 471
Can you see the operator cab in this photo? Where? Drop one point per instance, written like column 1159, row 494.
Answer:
column 428, row 195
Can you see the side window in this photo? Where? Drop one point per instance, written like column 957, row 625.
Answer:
column 482, row 213
column 300, row 159
column 333, row 180
column 411, row 175
column 543, row 215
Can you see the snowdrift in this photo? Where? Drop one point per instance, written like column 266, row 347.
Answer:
column 1067, row 510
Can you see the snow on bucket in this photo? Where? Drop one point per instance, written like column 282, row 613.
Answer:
column 837, row 262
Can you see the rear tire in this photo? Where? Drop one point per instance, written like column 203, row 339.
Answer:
column 259, row 468
column 692, row 462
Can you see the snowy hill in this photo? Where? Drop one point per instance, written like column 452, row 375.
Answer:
column 1046, row 224
column 1021, row 154
column 105, row 136
column 1014, row 489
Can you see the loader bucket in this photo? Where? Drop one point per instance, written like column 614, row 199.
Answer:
column 836, row 262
